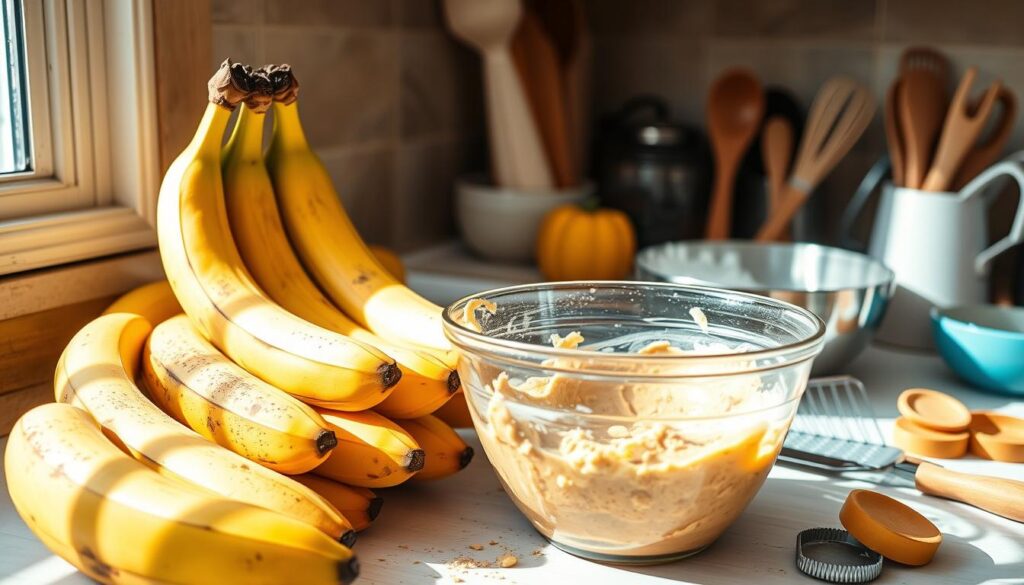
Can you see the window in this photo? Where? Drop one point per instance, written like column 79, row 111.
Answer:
column 78, row 156
column 14, row 137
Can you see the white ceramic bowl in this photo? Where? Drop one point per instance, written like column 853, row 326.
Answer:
column 501, row 224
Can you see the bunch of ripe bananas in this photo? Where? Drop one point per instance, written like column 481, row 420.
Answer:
column 230, row 421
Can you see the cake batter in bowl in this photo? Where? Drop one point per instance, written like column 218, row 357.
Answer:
column 631, row 422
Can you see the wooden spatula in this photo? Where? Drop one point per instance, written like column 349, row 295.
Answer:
column 893, row 133
column 960, row 132
column 517, row 154
column 566, row 25
column 987, row 152
column 921, row 106
column 777, row 153
column 539, row 66
column 841, row 112
column 925, row 58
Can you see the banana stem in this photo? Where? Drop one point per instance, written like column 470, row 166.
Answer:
column 247, row 137
column 287, row 116
column 230, row 85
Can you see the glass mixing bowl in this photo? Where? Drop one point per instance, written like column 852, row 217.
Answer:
column 645, row 440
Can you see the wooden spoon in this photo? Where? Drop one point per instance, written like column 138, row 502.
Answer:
column 841, row 112
column 984, row 154
column 566, row 25
column 960, row 132
column 734, row 111
column 516, row 150
column 537, row 60
column 921, row 103
column 776, row 152
column 893, row 133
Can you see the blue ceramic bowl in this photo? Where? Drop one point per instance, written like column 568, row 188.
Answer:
column 984, row 344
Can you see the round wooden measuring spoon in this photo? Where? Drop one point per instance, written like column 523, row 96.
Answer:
column 734, row 111
column 925, row 442
column 934, row 410
column 889, row 527
column 999, row 437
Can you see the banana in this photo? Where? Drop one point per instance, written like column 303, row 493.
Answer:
column 455, row 412
column 444, row 451
column 359, row 505
column 422, row 393
column 330, row 247
column 390, row 261
column 193, row 382
column 372, row 451
column 218, row 294
column 120, row 522
column 426, row 383
column 96, row 373
column 154, row 301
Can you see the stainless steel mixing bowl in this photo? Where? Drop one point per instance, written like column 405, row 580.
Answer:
column 847, row 290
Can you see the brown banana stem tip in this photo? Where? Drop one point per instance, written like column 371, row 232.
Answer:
column 285, row 86
column 374, row 508
column 262, row 95
column 349, row 538
column 348, row 570
column 390, row 374
column 230, row 85
column 416, row 458
column 454, row 382
column 465, row 457
column 325, row 441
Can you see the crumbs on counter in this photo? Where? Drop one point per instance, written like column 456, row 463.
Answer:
column 476, row 546
column 507, row 560
column 464, row 562
column 458, row 566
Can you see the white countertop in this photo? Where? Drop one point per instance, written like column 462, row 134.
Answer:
column 422, row 528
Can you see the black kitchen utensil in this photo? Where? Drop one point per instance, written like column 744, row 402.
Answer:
column 656, row 170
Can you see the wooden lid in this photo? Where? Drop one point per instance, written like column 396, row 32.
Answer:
column 934, row 410
column 890, row 528
column 919, row 440
column 999, row 437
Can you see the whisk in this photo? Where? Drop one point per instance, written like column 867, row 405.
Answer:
column 841, row 112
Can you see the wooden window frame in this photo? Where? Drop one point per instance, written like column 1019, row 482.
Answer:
column 173, row 62
column 105, row 153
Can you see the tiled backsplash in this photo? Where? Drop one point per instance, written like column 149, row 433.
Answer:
column 391, row 102
column 675, row 48
column 396, row 113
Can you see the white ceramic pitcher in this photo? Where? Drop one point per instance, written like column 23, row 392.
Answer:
column 936, row 245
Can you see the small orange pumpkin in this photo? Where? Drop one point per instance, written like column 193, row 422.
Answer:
column 585, row 243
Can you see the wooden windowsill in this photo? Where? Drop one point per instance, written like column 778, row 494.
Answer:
column 40, row 290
